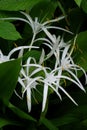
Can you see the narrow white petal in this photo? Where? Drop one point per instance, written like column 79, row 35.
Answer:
column 48, row 34
column 81, row 86
column 27, row 67
column 80, row 68
column 68, row 95
column 19, row 48
column 54, row 20
column 42, row 57
column 30, row 83
column 42, row 39
column 27, row 16
column 29, row 99
column 17, row 94
column 22, row 72
column 65, row 52
column 59, row 28
column 45, row 92
column 53, row 88
column 16, row 18
column 35, row 71
column 21, row 82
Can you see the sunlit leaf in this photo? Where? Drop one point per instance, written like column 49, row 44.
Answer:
column 78, row 2
column 15, row 5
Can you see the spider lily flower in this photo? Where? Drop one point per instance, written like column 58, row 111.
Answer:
column 29, row 82
column 67, row 64
column 56, row 45
column 52, row 80
column 4, row 58
column 36, row 25
column 27, row 79
column 49, row 81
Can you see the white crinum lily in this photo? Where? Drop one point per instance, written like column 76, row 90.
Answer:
column 52, row 80
column 56, row 45
column 36, row 25
column 49, row 81
column 29, row 82
column 27, row 79
column 4, row 58
column 67, row 65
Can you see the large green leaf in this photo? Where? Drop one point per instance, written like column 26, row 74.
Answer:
column 15, row 5
column 8, row 31
column 9, row 72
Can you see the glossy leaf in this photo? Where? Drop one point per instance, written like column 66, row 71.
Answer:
column 8, row 31
column 84, row 5
column 15, row 5
column 9, row 72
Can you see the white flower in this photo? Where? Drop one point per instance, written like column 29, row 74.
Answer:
column 36, row 25
column 49, row 81
column 52, row 80
column 27, row 79
column 56, row 45
column 4, row 58
column 67, row 65
column 29, row 82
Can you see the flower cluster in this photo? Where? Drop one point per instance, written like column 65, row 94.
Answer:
column 39, row 73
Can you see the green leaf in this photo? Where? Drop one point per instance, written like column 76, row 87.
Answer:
column 8, row 31
column 20, row 113
column 44, row 13
column 5, row 121
column 15, row 5
column 48, row 124
column 84, row 5
column 78, row 2
column 9, row 72
column 64, row 120
column 81, row 51
column 75, row 24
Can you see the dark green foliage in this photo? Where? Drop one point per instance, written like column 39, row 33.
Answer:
column 59, row 115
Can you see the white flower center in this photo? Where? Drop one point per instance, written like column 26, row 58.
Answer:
column 65, row 63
